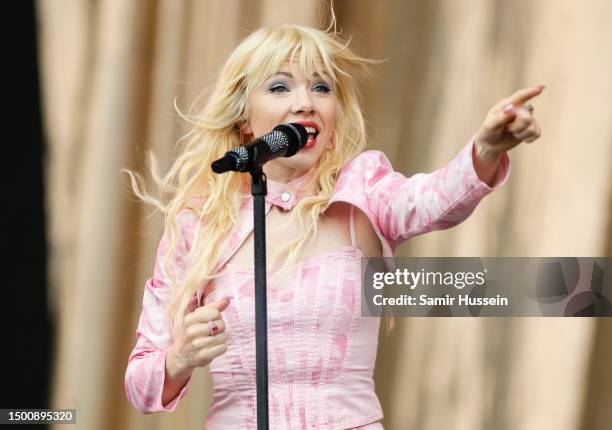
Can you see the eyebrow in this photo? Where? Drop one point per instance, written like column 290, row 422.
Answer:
column 289, row 75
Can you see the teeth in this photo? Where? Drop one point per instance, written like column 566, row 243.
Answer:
column 310, row 130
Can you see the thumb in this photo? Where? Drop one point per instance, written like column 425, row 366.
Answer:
column 222, row 304
column 498, row 120
column 493, row 128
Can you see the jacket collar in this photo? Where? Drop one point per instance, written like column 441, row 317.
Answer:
column 284, row 195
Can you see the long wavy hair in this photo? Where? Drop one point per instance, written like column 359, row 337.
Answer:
column 215, row 199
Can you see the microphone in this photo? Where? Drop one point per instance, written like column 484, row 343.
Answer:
column 284, row 141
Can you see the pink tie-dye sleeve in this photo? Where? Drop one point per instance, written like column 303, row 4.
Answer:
column 145, row 373
column 406, row 207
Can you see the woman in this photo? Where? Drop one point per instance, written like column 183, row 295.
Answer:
column 336, row 202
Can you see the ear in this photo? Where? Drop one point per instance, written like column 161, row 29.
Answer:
column 246, row 129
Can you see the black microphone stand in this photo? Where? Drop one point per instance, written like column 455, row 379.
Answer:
column 259, row 190
column 288, row 138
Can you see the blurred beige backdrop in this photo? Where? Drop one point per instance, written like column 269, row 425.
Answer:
column 111, row 70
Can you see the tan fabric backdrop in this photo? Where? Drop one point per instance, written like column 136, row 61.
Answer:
column 111, row 70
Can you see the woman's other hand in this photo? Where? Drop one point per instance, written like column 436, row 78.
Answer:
column 203, row 339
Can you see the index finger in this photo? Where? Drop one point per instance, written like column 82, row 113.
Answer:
column 521, row 96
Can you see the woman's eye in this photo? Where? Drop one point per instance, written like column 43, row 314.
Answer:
column 321, row 87
column 278, row 88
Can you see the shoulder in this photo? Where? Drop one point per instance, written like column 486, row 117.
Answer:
column 370, row 158
column 359, row 178
column 189, row 213
column 365, row 168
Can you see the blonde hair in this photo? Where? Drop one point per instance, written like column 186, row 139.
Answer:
column 215, row 199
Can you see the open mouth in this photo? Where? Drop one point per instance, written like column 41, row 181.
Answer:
column 312, row 136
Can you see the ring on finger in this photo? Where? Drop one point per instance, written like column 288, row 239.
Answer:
column 529, row 108
column 213, row 328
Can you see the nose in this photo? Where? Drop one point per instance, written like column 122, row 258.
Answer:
column 303, row 102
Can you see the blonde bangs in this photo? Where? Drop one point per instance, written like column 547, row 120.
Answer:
column 301, row 47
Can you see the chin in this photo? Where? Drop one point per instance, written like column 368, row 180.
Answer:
column 300, row 163
column 307, row 161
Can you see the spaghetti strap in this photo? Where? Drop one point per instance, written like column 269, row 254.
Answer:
column 352, row 225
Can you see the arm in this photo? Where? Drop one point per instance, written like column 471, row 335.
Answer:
column 486, row 164
column 176, row 379
column 406, row 207
column 153, row 381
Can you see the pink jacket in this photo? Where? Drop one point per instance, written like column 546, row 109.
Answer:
column 398, row 208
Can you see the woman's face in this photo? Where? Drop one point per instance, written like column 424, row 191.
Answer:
column 288, row 96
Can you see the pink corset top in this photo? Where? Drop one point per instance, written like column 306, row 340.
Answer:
column 321, row 352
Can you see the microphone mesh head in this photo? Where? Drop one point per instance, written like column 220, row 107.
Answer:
column 297, row 135
column 243, row 158
column 277, row 141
